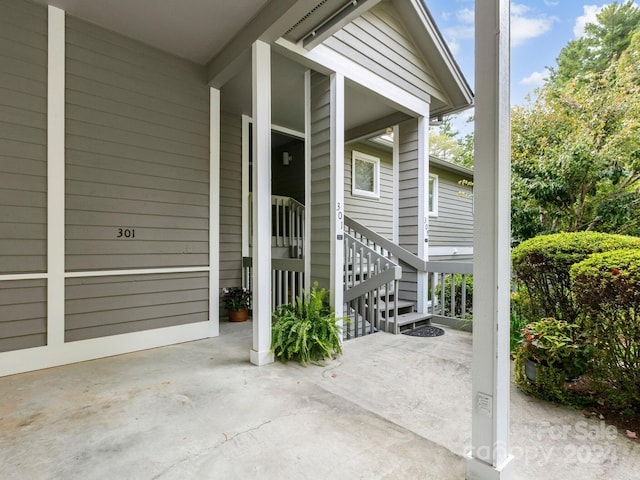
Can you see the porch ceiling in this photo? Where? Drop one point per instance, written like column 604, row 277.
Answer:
column 287, row 84
column 192, row 29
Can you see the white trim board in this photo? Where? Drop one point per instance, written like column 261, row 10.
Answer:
column 450, row 251
column 333, row 61
column 55, row 175
column 26, row 360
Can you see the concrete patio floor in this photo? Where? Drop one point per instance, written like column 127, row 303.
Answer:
column 393, row 407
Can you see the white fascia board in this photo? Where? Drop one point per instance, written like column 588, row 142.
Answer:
column 419, row 11
column 333, row 62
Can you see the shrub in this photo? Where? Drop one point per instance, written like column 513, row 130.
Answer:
column 542, row 264
column 557, row 350
column 607, row 288
column 306, row 329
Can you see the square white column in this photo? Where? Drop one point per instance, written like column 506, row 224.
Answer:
column 261, row 79
column 489, row 457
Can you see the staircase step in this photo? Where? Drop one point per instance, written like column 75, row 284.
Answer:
column 402, row 304
column 413, row 317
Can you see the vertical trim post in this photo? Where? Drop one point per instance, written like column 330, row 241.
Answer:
column 261, row 249
column 307, row 179
column 423, row 208
column 214, row 212
column 55, row 176
column 490, row 458
column 337, row 194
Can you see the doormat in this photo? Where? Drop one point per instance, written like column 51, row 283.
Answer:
column 425, row 331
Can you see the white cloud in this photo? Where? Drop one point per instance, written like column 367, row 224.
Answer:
column 454, row 46
column 536, row 79
column 590, row 16
column 465, row 15
column 525, row 27
column 549, row 3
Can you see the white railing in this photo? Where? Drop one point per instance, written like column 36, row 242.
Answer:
column 287, row 224
column 370, row 280
column 287, row 279
column 449, row 299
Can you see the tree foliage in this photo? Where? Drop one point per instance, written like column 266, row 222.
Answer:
column 576, row 146
column 603, row 43
column 445, row 143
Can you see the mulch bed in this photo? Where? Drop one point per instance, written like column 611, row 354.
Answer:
column 627, row 422
column 425, row 331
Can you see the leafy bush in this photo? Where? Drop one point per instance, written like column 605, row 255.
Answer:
column 607, row 288
column 458, row 295
column 557, row 350
column 306, row 329
column 542, row 264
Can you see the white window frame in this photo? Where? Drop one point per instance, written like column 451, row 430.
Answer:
column 433, row 193
column 375, row 161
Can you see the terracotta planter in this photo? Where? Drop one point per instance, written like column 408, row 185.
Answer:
column 239, row 315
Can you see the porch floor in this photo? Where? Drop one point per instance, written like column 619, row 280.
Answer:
column 392, row 406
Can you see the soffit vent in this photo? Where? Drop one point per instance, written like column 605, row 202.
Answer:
column 320, row 18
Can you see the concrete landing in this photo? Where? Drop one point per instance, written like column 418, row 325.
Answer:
column 393, row 407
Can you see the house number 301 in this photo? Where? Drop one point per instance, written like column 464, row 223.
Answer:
column 126, row 233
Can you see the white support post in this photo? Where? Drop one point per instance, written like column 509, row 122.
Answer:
column 423, row 209
column 214, row 212
column 55, row 176
column 261, row 250
column 396, row 183
column 490, row 458
column 337, row 194
column 307, row 180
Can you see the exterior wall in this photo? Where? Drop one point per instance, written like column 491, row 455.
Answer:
column 408, row 217
column 23, row 174
column 23, row 314
column 320, row 179
column 135, row 193
column 231, row 201
column 376, row 214
column 137, row 179
column 453, row 227
column 112, row 305
column 137, row 155
column 23, row 137
column 378, row 41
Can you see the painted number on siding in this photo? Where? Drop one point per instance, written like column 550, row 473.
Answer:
column 340, row 221
column 126, row 233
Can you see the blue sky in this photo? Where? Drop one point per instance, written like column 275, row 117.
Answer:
column 539, row 30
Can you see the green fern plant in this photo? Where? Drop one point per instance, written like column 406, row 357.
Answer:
column 305, row 330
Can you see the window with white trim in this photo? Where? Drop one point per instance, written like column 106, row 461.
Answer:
column 433, row 195
column 365, row 175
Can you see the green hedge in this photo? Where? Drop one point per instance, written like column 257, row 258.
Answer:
column 542, row 264
column 606, row 286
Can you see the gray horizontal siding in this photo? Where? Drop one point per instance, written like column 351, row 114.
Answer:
column 378, row 41
column 23, row 314
column 453, row 227
column 230, row 241
column 137, row 154
column 321, row 211
column 23, row 137
column 103, row 306
column 376, row 214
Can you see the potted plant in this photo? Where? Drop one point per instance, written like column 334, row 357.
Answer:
column 237, row 301
column 551, row 353
column 551, row 343
column 306, row 330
